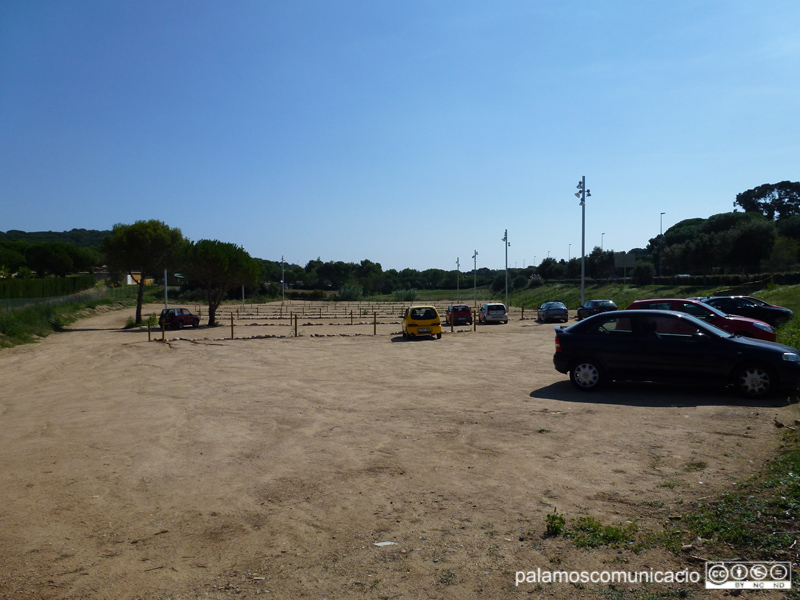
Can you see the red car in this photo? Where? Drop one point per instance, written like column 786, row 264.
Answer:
column 459, row 314
column 731, row 323
column 177, row 318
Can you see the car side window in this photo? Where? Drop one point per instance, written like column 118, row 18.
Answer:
column 694, row 310
column 658, row 305
column 668, row 328
column 612, row 326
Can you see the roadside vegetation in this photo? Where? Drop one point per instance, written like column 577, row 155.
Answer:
column 755, row 521
column 28, row 324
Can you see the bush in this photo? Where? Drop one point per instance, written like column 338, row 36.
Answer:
column 408, row 295
column 643, row 273
column 350, row 292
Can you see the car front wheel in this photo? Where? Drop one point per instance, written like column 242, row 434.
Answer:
column 586, row 375
column 753, row 381
column 180, row 325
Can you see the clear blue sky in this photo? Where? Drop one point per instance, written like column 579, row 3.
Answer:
column 409, row 133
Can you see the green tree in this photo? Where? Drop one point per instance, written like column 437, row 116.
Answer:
column 219, row 267
column 643, row 272
column 789, row 227
column 142, row 250
column 773, row 200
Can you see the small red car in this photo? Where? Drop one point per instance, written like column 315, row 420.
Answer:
column 177, row 318
column 459, row 314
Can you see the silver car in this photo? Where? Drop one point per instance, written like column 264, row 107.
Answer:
column 493, row 312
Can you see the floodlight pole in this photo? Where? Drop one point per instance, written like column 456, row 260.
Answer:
column 283, row 281
column 583, row 193
column 166, row 294
column 506, row 244
column 475, row 279
column 660, row 244
column 458, row 280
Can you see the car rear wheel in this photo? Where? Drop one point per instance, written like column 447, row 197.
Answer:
column 586, row 375
column 196, row 323
column 180, row 325
column 438, row 336
column 753, row 381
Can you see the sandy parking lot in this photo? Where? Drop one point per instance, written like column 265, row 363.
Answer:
column 270, row 467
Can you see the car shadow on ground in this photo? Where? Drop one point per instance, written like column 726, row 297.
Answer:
column 655, row 395
column 417, row 338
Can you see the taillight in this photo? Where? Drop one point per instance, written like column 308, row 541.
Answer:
column 558, row 344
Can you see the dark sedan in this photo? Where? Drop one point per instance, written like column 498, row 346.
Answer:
column 656, row 345
column 552, row 311
column 593, row 307
column 754, row 308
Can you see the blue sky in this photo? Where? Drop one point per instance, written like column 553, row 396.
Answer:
column 409, row 133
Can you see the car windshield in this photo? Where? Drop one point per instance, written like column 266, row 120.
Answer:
column 605, row 303
column 713, row 309
column 707, row 327
column 423, row 313
column 496, row 308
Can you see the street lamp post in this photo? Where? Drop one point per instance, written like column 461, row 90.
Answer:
column 583, row 193
column 506, row 243
column 660, row 243
column 569, row 253
column 475, row 279
column 283, row 281
column 602, row 235
column 458, row 280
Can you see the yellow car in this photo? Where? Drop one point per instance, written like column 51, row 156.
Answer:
column 422, row 320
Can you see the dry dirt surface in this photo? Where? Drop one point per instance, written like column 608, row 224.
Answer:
column 276, row 467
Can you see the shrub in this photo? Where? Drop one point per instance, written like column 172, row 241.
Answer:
column 350, row 292
column 408, row 295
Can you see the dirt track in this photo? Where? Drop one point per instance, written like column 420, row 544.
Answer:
column 271, row 467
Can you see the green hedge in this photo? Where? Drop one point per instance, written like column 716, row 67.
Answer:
column 45, row 288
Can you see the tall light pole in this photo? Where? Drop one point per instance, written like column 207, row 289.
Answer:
column 569, row 253
column 458, row 279
column 475, row 279
column 506, row 243
column 602, row 235
column 283, row 281
column 583, row 193
column 660, row 243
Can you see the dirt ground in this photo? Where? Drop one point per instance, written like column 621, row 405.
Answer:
column 272, row 467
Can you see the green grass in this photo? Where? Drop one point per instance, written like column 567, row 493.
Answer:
column 26, row 325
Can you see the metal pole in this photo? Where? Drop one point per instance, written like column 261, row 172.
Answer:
column 506, row 244
column 660, row 244
column 458, row 280
column 283, row 281
column 166, row 300
column 583, row 239
column 475, row 279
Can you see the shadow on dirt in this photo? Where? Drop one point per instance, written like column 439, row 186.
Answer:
column 655, row 395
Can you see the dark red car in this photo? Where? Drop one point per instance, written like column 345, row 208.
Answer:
column 177, row 318
column 731, row 323
column 459, row 314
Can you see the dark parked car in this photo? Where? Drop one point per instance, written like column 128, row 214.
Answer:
column 552, row 311
column 177, row 318
column 459, row 314
column 655, row 345
column 593, row 307
column 731, row 323
column 747, row 306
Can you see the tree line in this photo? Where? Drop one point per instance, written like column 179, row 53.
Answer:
column 765, row 236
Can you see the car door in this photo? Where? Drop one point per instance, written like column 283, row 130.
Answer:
column 612, row 341
column 671, row 349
